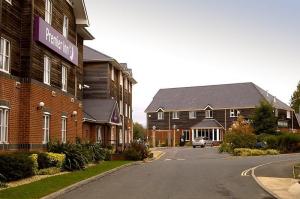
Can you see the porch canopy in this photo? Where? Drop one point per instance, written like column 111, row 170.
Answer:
column 210, row 128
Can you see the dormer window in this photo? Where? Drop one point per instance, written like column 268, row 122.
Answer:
column 192, row 114
column 160, row 115
column 234, row 113
column 175, row 115
column 48, row 11
column 208, row 114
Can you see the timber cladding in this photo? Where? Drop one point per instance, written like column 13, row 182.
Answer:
column 23, row 88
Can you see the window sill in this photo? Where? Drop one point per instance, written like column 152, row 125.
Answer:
column 175, row 118
column 6, row 72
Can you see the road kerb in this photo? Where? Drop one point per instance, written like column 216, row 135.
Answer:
column 87, row 181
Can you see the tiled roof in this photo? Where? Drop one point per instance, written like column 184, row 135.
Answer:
column 99, row 110
column 90, row 54
column 208, row 123
column 239, row 95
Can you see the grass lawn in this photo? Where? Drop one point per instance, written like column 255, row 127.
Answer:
column 49, row 185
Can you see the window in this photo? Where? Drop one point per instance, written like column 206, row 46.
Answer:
column 175, row 115
column 64, row 129
column 160, row 115
column 4, row 55
column 234, row 113
column 47, row 69
column 282, row 124
column 126, row 110
column 129, row 112
column 46, row 128
column 64, row 78
column 48, row 11
column 186, row 134
column 98, row 138
column 126, row 84
column 121, row 79
column 121, row 107
column 192, row 114
column 3, row 125
column 112, row 74
column 288, row 114
column 276, row 112
column 208, row 114
column 120, row 136
column 66, row 27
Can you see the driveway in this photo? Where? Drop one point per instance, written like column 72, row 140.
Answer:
column 182, row 173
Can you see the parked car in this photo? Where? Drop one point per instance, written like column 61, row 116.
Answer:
column 202, row 142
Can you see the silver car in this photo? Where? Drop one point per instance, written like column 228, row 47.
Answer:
column 202, row 142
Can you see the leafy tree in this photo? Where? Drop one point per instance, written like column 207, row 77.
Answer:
column 295, row 99
column 241, row 126
column 138, row 131
column 263, row 119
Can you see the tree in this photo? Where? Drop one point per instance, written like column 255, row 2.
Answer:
column 295, row 99
column 263, row 119
column 241, row 126
column 138, row 131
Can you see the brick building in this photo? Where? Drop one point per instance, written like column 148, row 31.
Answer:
column 107, row 99
column 41, row 72
column 209, row 111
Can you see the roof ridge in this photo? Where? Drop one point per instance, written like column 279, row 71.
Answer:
column 206, row 85
column 256, row 88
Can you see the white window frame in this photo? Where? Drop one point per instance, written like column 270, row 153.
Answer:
column 64, row 78
column 129, row 112
column 175, row 115
column 126, row 110
column 192, row 115
column 66, row 26
column 98, row 134
column 126, row 83
column 288, row 114
column 121, row 78
column 4, row 55
column 208, row 114
column 121, row 107
column 112, row 73
column 160, row 115
column 234, row 113
column 46, row 128
column 186, row 134
column 4, row 115
column 48, row 11
column 63, row 129
column 47, row 69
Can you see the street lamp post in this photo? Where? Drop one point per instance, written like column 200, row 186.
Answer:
column 153, row 135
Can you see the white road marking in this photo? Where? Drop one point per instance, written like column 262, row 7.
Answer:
column 168, row 159
column 245, row 173
column 180, row 159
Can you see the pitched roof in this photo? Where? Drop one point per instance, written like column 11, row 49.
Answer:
column 101, row 111
column 239, row 95
column 90, row 54
column 208, row 123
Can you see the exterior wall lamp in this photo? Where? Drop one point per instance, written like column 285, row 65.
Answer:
column 41, row 105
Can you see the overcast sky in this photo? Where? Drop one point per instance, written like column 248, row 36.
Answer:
column 175, row 43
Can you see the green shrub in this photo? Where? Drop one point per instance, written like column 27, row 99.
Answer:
column 3, row 181
column 253, row 152
column 16, row 166
column 136, row 151
column 238, row 140
column 35, row 166
column 284, row 142
column 49, row 159
column 49, row 171
column 75, row 159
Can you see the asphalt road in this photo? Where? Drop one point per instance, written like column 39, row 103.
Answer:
column 182, row 173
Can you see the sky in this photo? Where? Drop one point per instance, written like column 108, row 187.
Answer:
column 179, row 43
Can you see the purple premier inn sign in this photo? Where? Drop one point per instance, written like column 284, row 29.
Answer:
column 48, row 36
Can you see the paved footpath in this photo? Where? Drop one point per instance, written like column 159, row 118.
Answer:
column 182, row 173
column 278, row 179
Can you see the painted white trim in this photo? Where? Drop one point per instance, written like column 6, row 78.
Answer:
column 160, row 109
column 208, row 106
